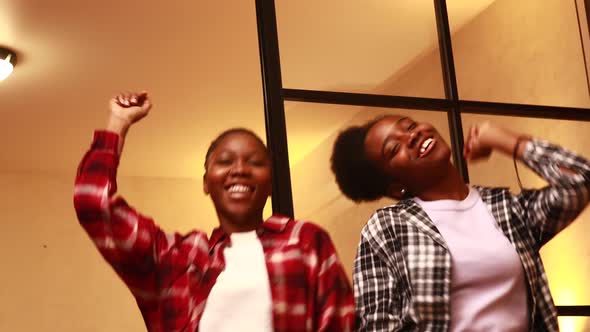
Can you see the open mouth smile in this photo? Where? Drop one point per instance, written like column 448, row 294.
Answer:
column 426, row 146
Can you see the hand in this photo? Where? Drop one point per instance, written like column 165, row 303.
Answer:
column 129, row 108
column 476, row 144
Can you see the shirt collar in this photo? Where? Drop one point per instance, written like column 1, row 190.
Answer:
column 275, row 224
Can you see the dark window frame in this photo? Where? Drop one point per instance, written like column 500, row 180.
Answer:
column 275, row 96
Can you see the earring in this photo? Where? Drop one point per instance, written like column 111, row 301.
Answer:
column 403, row 192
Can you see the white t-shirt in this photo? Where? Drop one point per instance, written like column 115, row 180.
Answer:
column 488, row 289
column 241, row 299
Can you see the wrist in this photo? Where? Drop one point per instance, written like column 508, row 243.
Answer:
column 117, row 125
column 520, row 146
column 500, row 139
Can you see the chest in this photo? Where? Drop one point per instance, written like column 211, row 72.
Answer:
column 432, row 254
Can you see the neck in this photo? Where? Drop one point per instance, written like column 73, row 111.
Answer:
column 239, row 224
column 449, row 186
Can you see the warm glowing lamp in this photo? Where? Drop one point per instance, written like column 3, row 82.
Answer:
column 7, row 62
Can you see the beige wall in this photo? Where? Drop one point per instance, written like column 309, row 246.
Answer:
column 53, row 278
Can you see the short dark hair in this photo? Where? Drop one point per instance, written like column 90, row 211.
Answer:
column 224, row 134
column 358, row 178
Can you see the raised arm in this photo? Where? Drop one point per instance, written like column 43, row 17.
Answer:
column 554, row 207
column 130, row 242
column 126, row 109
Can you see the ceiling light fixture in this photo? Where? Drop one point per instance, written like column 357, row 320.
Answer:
column 7, row 62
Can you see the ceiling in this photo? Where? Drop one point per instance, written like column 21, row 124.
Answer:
column 199, row 61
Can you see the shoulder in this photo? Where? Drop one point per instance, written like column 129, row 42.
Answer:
column 496, row 197
column 385, row 218
column 294, row 231
column 307, row 235
column 195, row 238
column 305, row 230
column 491, row 191
column 173, row 248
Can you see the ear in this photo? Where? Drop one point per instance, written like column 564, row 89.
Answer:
column 205, row 186
column 397, row 191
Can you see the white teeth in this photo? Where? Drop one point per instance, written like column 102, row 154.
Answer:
column 425, row 144
column 238, row 188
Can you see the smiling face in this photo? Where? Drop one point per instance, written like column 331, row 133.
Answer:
column 413, row 154
column 238, row 178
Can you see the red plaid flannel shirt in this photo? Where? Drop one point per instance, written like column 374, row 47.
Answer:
column 171, row 275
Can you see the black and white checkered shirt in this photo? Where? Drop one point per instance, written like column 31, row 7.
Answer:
column 402, row 271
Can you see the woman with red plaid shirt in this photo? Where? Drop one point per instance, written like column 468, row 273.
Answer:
column 250, row 275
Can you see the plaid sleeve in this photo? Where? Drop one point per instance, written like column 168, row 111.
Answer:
column 552, row 208
column 131, row 243
column 334, row 296
column 376, row 307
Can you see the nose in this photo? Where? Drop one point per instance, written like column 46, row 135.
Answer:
column 239, row 168
column 412, row 138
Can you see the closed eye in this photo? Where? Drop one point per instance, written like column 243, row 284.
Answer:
column 412, row 126
column 258, row 162
column 223, row 161
column 394, row 150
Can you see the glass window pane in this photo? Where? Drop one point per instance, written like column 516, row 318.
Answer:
column 315, row 193
column 567, row 256
column 525, row 51
column 383, row 47
column 574, row 324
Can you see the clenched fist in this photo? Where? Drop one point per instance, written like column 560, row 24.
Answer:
column 130, row 107
column 477, row 145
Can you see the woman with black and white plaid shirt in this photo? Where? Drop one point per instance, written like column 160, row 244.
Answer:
column 450, row 256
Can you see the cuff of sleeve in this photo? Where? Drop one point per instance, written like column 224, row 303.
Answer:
column 533, row 149
column 105, row 140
